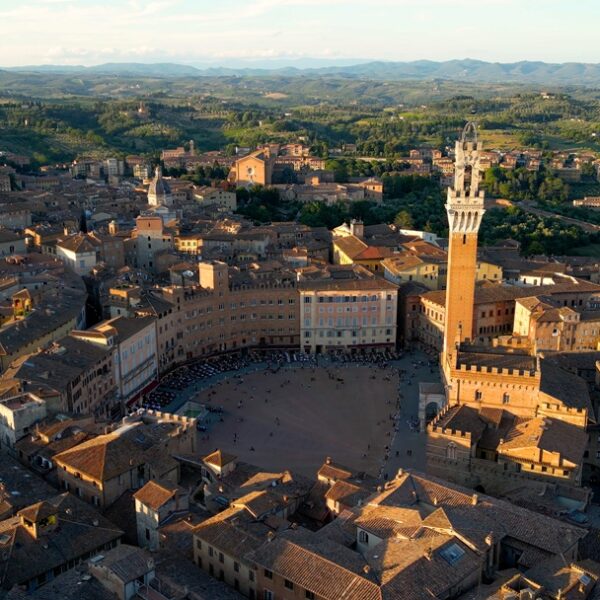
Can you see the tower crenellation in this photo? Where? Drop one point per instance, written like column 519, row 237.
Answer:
column 465, row 209
column 465, row 200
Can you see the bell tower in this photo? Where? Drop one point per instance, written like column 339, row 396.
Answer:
column 464, row 207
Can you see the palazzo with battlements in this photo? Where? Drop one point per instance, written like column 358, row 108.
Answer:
column 512, row 417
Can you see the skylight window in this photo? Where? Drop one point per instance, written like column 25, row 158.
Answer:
column 452, row 554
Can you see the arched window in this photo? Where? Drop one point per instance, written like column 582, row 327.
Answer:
column 451, row 451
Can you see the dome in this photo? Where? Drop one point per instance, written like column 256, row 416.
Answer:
column 159, row 190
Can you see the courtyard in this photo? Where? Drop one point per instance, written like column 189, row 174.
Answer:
column 295, row 416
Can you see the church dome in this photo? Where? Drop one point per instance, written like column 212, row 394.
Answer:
column 159, row 190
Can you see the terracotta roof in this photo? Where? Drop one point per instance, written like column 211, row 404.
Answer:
column 314, row 563
column 79, row 243
column 350, row 245
column 233, row 531
column 81, row 531
column 156, row 493
column 375, row 284
column 399, row 264
column 463, row 418
column 219, row 458
column 486, row 293
column 390, row 521
column 424, row 566
column 347, row 493
column 110, row 455
column 533, row 529
column 567, row 387
column 373, row 253
column 549, row 435
column 259, row 503
column 37, row 512
column 127, row 563
column 490, row 358
column 331, row 470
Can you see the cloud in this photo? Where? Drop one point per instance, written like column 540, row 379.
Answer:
column 91, row 31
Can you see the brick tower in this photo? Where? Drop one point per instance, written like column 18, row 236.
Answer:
column 465, row 210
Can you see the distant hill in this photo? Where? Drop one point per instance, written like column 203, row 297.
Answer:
column 127, row 69
column 533, row 72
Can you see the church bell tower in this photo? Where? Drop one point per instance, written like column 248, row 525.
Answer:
column 464, row 207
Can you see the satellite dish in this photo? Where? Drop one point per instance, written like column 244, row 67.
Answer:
column 188, row 273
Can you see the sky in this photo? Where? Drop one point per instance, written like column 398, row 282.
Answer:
column 230, row 32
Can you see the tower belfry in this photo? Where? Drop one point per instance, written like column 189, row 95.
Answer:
column 464, row 207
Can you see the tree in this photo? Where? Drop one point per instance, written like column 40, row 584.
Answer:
column 404, row 220
column 535, row 248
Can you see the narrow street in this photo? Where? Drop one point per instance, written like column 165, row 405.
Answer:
column 409, row 443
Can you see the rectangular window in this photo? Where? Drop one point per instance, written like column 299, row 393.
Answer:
column 309, row 595
column 288, row 584
column 236, row 567
column 268, row 574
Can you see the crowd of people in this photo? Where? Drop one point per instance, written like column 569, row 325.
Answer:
column 192, row 373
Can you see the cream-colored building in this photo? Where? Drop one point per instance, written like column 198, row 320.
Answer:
column 72, row 375
column 548, row 325
column 81, row 252
column 253, row 169
column 347, row 309
column 156, row 502
column 225, row 200
column 135, row 356
column 18, row 415
column 230, row 308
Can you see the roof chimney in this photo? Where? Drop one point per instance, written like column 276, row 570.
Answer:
column 357, row 228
